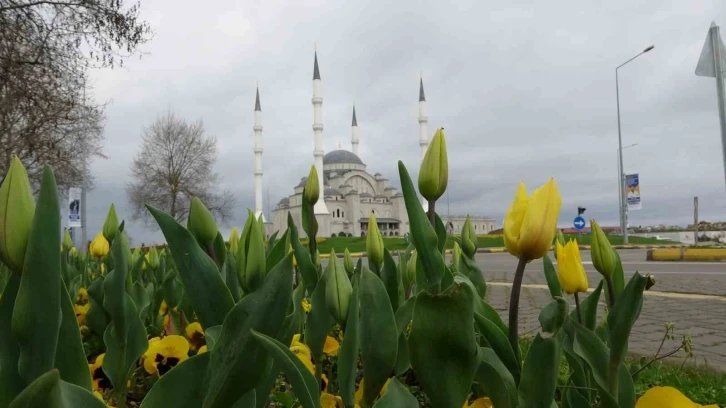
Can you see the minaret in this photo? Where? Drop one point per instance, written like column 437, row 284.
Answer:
column 354, row 134
column 423, row 120
column 320, row 207
column 258, row 157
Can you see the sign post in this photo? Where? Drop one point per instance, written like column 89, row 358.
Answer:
column 75, row 219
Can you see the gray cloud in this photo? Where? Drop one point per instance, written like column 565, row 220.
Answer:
column 525, row 92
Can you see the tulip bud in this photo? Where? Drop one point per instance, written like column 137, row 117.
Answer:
column 111, row 225
column 559, row 238
column 233, row 241
column 603, row 256
column 650, row 283
column 99, row 246
column 16, row 215
column 134, row 259
column 201, row 223
column 152, row 258
column 294, row 261
column 374, row 243
column 434, row 173
column 411, row 267
column 571, row 273
column 67, row 243
column 312, row 187
column 261, row 225
column 456, row 255
column 255, row 268
column 348, row 262
column 316, row 259
column 337, row 290
column 468, row 238
column 530, row 223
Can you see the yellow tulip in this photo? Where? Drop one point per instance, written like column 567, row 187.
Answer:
column 99, row 246
column 667, row 397
column 571, row 273
column 530, row 223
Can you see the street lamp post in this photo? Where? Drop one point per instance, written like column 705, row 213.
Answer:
column 621, row 174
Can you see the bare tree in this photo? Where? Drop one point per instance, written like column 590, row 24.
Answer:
column 174, row 165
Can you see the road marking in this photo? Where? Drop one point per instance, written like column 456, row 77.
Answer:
column 690, row 296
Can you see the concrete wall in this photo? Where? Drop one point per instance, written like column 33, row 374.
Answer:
column 684, row 237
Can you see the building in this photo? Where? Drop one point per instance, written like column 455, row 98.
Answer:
column 350, row 192
column 481, row 225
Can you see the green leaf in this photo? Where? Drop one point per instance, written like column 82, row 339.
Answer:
column 378, row 335
column 595, row 354
column 319, row 322
column 70, row 358
column 303, row 383
column 539, row 375
column 618, row 276
column 579, row 377
column 424, row 235
column 255, row 269
column 480, row 306
column 623, row 315
column 575, row 399
column 553, row 283
column 390, row 278
column 553, row 315
column 229, row 273
column 348, row 354
column 172, row 288
column 475, row 275
column 588, row 308
column 207, row 291
column 499, row 342
column 278, row 251
column 304, row 262
column 182, row 387
column 397, row 396
column 626, row 388
column 10, row 382
column 220, row 249
column 440, row 229
column 237, row 361
column 141, row 299
column 36, row 315
column 442, row 345
column 49, row 391
column 496, row 380
column 211, row 336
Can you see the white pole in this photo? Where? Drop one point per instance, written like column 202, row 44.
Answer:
column 719, row 70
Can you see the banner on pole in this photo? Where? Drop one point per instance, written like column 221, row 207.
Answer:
column 74, row 207
column 632, row 190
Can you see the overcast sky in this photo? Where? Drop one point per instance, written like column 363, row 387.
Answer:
column 525, row 90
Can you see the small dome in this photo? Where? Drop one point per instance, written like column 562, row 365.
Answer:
column 389, row 188
column 365, row 195
column 346, row 185
column 302, row 182
column 331, row 192
column 341, row 156
column 284, row 201
column 351, row 192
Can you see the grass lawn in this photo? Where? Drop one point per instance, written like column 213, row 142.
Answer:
column 358, row 244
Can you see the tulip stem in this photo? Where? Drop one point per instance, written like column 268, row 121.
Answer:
column 312, row 242
column 432, row 213
column 611, row 290
column 577, row 306
column 212, row 254
column 514, row 307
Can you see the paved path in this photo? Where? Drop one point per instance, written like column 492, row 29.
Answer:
column 691, row 295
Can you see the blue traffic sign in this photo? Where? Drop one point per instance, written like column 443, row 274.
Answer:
column 579, row 223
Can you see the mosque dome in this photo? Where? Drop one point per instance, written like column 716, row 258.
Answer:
column 341, row 156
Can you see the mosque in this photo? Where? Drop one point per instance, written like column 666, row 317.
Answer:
column 350, row 192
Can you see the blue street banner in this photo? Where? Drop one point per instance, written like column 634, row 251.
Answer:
column 632, row 191
column 74, row 207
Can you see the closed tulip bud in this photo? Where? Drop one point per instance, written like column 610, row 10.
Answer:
column 468, row 238
column 337, row 290
column 570, row 271
column 201, row 223
column 316, row 258
column 312, row 187
column 411, row 267
column 152, row 258
column 99, row 246
column 294, row 261
column 529, row 226
column 603, row 254
column 434, row 174
column 374, row 243
column 16, row 215
column 348, row 262
column 255, row 268
column 456, row 255
column 67, row 243
column 233, row 240
column 111, row 225
column 134, row 258
column 560, row 237
column 261, row 224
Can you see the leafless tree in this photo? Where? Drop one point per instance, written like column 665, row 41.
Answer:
column 175, row 164
column 46, row 48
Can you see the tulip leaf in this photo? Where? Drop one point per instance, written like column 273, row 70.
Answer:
column 318, row 325
column 181, row 387
column 553, row 315
column 229, row 273
column 480, row 306
column 618, row 275
column 36, row 315
column 404, row 314
column 442, row 346
column 471, row 270
column 496, row 380
column 403, row 318
column 302, row 256
column 623, row 315
column 11, row 384
column 378, row 335
column 303, row 383
column 553, row 283
column 499, row 342
column 141, row 299
column 588, row 308
column 48, row 390
column 271, row 243
column 208, row 293
column 574, row 399
column 440, row 229
column 390, row 278
column 424, row 236
column 237, row 362
column 539, row 374
column 595, row 354
column 626, row 388
column 579, row 377
column 397, row 396
column 220, row 249
column 278, row 251
column 172, row 288
column 70, row 358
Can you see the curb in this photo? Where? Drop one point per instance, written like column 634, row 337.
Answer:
column 687, row 254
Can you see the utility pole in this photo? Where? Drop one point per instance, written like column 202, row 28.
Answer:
column 695, row 220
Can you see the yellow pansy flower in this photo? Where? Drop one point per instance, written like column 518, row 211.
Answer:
column 667, row 397
column 302, row 351
column 165, row 354
column 100, row 381
column 531, row 222
column 307, row 307
column 570, row 271
column 82, row 296
column 359, row 392
column 202, row 349
column 195, row 335
column 479, row 403
column 331, row 346
column 81, row 311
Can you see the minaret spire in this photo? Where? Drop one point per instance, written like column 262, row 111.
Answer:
column 258, row 156
column 423, row 127
column 320, row 207
column 354, row 136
